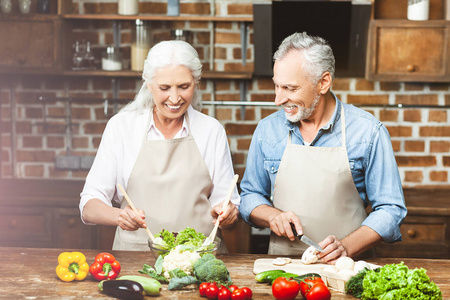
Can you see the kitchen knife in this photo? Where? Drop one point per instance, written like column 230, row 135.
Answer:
column 306, row 239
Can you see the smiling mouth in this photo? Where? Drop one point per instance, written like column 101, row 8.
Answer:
column 173, row 107
column 289, row 108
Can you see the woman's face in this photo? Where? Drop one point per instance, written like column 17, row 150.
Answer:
column 172, row 89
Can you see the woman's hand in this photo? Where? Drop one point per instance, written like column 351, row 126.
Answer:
column 227, row 217
column 128, row 220
column 332, row 250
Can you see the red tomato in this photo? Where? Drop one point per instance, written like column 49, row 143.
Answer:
column 233, row 287
column 319, row 291
column 212, row 291
column 248, row 293
column 285, row 289
column 307, row 284
column 224, row 294
column 238, row 294
column 202, row 288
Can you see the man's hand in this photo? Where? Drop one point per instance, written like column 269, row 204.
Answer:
column 128, row 220
column 281, row 224
column 227, row 217
column 332, row 250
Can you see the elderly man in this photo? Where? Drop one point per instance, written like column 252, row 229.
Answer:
column 318, row 163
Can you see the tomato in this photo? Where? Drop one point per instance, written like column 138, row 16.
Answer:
column 212, row 291
column 238, row 294
column 202, row 288
column 248, row 293
column 319, row 291
column 224, row 294
column 233, row 287
column 285, row 289
column 307, row 283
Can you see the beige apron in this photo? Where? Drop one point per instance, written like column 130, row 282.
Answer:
column 316, row 184
column 171, row 183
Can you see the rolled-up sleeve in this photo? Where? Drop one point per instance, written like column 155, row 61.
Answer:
column 384, row 188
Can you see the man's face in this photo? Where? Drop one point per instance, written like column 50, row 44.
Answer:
column 294, row 90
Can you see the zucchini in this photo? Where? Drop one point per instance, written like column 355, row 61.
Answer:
column 122, row 289
column 262, row 276
column 152, row 287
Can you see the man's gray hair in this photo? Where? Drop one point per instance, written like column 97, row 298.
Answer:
column 164, row 54
column 316, row 51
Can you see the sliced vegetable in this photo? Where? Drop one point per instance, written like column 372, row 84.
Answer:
column 105, row 267
column 152, row 287
column 122, row 289
column 72, row 266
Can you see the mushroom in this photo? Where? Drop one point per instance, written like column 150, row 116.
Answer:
column 310, row 256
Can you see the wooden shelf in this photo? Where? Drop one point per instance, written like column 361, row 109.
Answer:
column 148, row 17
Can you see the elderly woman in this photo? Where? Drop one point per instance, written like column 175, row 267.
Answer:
column 173, row 160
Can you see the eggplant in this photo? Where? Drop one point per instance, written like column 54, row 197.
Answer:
column 122, row 289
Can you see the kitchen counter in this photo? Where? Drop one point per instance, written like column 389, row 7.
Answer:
column 29, row 273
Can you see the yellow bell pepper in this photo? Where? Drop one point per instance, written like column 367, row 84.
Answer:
column 72, row 266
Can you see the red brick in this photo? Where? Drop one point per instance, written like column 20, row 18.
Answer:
column 364, row 85
column 267, row 111
column 437, row 116
column 78, row 83
column 53, row 173
column 263, row 97
column 418, row 99
column 32, row 141
column 389, row 115
column 34, row 113
column 55, row 142
column 53, row 127
column 446, row 161
column 34, row 171
column 414, row 86
column 413, row 176
column 224, row 25
column 80, row 174
column 414, row 146
column 341, row 84
column 240, row 9
column 96, row 142
column 439, row 176
column 237, row 54
column 399, row 130
column 222, row 85
column 389, row 86
column 228, row 97
column 31, row 82
column 447, row 99
column 368, row 99
column 80, row 142
column 56, row 112
column 416, row 161
column 438, row 86
column 220, row 53
column 100, row 8
column 56, row 83
column 238, row 158
column 153, row 8
column 195, row 8
column 227, row 38
column 223, row 114
column 243, row 144
column 249, row 114
column 434, row 131
column 35, row 156
column 203, row 38
column 265, row 84
column 238, row 67
column 439, row 146
column 94, row 128
column 23, row 127
column 239, row 129
column 81, row 113
column 413, row 115
column 396, row 145
column 199, row 25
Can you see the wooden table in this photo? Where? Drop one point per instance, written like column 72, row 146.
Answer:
column 29, row 273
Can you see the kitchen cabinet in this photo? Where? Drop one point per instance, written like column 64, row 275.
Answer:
column 29, row 43
column 426, row 229
column 408, row 51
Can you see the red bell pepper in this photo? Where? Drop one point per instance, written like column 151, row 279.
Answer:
column 105, row 267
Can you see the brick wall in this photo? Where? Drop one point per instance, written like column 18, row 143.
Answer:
column 34, row 133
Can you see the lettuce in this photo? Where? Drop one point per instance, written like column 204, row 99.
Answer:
column 187, row 237
column 397, row 281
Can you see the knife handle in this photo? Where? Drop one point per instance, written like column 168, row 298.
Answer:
column 295, row 231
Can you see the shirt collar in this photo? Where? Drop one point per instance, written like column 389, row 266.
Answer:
column 184, row 127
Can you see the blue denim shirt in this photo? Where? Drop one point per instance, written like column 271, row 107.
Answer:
column 370, row 155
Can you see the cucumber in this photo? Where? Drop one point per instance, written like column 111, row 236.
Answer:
column 152, row 287
column 272, row 277
column 262, row 276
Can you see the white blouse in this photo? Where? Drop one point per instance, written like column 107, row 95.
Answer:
column 122, row 140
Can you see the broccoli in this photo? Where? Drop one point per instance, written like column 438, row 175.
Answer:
column 210, row 269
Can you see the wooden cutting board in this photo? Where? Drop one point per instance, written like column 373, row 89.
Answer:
column 296, row 266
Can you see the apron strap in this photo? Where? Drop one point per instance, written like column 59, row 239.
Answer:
column 344, row 141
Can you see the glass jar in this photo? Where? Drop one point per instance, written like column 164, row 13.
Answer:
column 128, row 7
column 111, row 59
column 6, row 6
column 140, row 45
column 181, row 35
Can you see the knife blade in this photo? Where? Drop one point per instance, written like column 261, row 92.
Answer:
column 306, row 239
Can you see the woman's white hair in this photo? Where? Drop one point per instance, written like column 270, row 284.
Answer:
column 163, row 54
column 316, row 51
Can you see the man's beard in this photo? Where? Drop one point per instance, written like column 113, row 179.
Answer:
column 303, row 113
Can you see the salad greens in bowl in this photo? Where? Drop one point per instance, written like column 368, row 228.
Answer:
column 187, row 239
